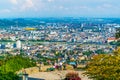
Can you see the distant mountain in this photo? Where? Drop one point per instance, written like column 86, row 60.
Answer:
column 42, row 21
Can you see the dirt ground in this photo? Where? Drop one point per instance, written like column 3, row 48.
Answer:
column 55, row 75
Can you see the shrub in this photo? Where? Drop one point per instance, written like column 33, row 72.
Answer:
column 72, row 76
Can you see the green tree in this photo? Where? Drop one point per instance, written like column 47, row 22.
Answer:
column 104, row 67
column 100, row 51
column 88, row 53
column 8, row 76
column 117, row 34
column 16, row 63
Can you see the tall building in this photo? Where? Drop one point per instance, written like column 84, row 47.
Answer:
column 18, row 44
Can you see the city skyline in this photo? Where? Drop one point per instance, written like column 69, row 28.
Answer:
column 59, row 8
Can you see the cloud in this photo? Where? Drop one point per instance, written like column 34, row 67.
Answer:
column 27, row 5
column 60, row 7
column 50, row 0
column 14, row 2
column 5, row 11
column 105, row 8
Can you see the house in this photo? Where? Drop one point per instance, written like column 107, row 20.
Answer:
column 111, row 39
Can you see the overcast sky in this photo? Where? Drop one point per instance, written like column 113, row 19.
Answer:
column 59, row 8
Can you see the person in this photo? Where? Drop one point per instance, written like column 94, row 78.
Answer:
column 64, row 66
column 40, row 66
column 74, row 65
column 56, row 65
column 60, row 65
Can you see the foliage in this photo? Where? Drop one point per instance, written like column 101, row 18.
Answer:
column 100, row 51
column 88, row 53
column 50, row 69
column 16, row 63
column 117, row 52
column 113, row 43
column 8, row 76
column 72, row 76
column 104, row 67
column 117, row 34
column 1, row 57
column 116, row 43
column 1, row 62
column 45, row 59
column 5, row 40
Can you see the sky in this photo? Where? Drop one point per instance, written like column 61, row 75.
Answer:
column 59, row 8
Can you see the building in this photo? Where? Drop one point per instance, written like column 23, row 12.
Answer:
column 2, row 46
column 111, row 39
column 14, row 45
column 18, row 44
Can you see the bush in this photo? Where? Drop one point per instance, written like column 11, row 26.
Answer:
column 72, row 76
column 50, row 69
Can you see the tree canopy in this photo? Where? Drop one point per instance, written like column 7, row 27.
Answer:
column 16, row 63
column 8, row 76
column 10, row 65
column 104, row 66
column 117, row 34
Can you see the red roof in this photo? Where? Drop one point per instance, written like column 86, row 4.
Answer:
column 1, row 35
column 112, row 38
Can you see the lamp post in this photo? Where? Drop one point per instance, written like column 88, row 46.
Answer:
column 25, row 76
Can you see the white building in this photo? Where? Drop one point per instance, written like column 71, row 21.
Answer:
column 111, row 39
column 18, row 44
